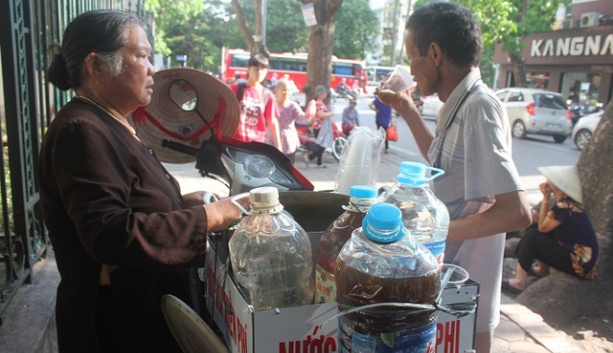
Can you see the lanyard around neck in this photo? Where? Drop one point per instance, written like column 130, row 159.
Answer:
column 454, row 113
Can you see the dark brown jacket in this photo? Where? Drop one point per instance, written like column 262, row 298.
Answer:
column 107, row 199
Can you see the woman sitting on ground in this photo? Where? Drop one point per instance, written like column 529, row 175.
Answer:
column 564, row 238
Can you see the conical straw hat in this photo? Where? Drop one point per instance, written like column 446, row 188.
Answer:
column 565, row 178
column 164, row 118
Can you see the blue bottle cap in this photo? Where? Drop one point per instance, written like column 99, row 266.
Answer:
column 383, row 223
column 414, row 173
column 363, row 191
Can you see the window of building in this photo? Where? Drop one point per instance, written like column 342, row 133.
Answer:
column 537, row 80
column 582, row 88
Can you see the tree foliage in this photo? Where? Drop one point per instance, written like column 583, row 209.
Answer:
column 356, row 29
column 285, row 28
column 356, row 26
column 189, row 27
column 200, row 29
column 509, row 22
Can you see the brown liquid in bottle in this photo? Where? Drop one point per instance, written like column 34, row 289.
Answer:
column 355, row 288
column 328, row 249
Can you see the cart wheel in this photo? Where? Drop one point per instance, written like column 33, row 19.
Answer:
column 337, row 147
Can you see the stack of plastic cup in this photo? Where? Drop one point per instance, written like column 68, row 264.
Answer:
column 359, row 161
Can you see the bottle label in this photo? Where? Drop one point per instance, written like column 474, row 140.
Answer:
column 325, row 286
column 438, row 250
column 417, row 340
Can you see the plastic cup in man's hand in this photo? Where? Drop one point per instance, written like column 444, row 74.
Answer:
column 399, row 80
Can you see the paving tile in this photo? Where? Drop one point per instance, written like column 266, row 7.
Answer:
column 526, row 347
column 558, row 345
column 509, row 331
column 539, row 329
column 500, row 346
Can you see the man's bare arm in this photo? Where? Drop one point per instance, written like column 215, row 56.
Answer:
column 510, row 212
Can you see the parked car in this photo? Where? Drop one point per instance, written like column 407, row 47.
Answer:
column 430, row 105
column 537, row 111
column 584, row 129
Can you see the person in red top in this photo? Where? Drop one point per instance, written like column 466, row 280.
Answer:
column 259, row 112
column 321, row 110
column 321, row 123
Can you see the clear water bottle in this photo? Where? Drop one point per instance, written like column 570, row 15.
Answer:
column 383, row 263
column 416, row 200
column 271, row 255
column 337, row 234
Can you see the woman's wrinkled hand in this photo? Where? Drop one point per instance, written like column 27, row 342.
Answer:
column 220, row 214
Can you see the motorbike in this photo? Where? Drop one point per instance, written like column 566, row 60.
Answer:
column 578, row 110
column 342, row 91
column 305, row 135
column 244, row 166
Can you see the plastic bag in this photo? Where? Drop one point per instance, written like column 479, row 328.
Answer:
column 392, row 132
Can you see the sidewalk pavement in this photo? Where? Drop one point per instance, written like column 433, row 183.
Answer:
column 520, row 329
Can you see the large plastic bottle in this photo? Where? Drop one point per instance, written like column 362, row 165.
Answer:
column 337, row 234
column 413, row 195
column 383, row 263
column 271, row 255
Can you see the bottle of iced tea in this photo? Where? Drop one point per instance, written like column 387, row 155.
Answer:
column 337, row 234
column 383, row 263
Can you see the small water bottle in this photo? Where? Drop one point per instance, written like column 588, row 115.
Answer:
column 416, row 200
column 271, row 255
column 337, row 234
column 383, row 264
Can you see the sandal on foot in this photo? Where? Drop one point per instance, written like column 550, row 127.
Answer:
column 506, row 285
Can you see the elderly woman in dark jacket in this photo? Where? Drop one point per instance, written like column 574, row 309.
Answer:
column 107, row 199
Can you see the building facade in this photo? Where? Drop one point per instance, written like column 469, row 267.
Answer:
column 392, row 15
column 576, row 59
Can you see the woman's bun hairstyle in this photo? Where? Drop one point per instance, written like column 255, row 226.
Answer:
column 57, row 73
column 98, row 31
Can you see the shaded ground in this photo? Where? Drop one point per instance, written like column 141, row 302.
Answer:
column 587, row 333
column 601, row 327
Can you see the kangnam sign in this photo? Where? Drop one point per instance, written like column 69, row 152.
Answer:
column 573, row 46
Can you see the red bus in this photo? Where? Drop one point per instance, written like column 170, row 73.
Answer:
column 234, row 61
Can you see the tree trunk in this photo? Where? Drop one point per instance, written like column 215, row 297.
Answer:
column 321, row 42
column 519, row 69
column 560, row 297
column 242, row 22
